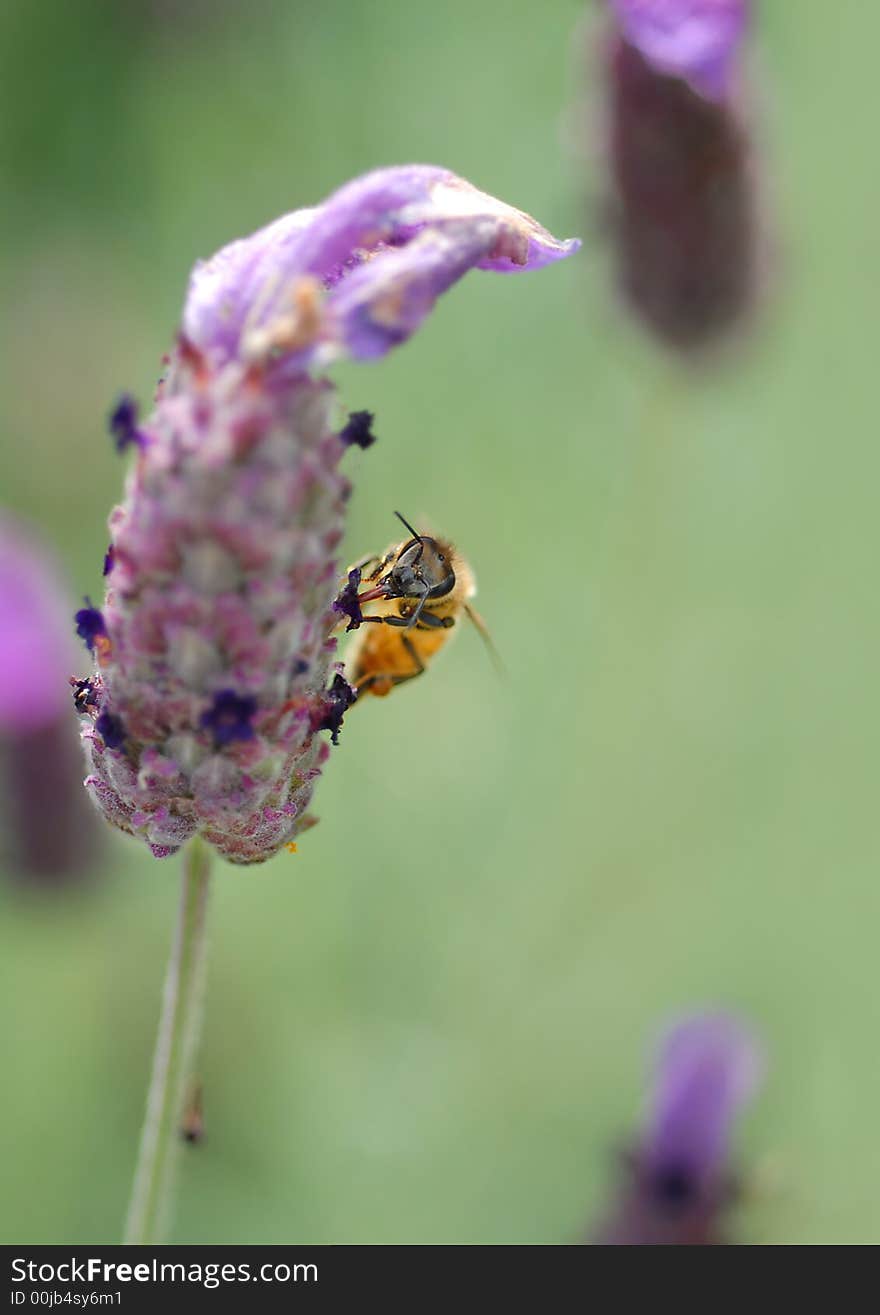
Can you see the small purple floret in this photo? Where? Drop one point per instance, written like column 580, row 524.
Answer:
column 122, row 423
column 89, row 624
column 108, row 559
column 111, row 730
column 348, row 603
column 359, row 429
column 335, row 703
column 230, row 716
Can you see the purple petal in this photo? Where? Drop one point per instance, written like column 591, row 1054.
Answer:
column 363, row 214
column 225, row 288
column 695, row 40
column 707, row 1068
column 359, row 273
column 384, row 301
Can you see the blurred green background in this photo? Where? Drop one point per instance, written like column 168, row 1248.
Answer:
column 430, row 1024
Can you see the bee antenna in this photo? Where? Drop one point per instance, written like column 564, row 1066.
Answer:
column 415, row 534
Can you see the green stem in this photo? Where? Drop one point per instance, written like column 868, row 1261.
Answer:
column 179, row 1028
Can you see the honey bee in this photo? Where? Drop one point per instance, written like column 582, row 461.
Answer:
column 417, row 591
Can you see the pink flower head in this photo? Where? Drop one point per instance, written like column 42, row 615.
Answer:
column 214, row 675
column 695, row 40
column 678, row 1182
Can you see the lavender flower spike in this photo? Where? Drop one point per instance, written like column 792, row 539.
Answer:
column 678, row 1182
column 214, row 650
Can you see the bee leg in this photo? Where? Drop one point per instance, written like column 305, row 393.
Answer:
column 427, row 620
column 396, row 677
column 417, row 661
column 404, row 622
column 362, row 565
column 377, row 565
column 431, row 621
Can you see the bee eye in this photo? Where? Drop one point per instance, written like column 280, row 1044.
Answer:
column 440, row 557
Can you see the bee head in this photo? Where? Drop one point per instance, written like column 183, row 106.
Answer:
column 422, row 569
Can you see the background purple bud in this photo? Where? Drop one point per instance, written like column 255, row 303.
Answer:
column 677, row 1179
column 681, row 186
column 48, row 830
column 706, row 1069
column 694, row 40
column 37, row 652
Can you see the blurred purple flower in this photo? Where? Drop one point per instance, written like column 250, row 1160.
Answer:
column 681, row 186
column 695, row 40
column 214, row 661
column 36, row 651
column 677, row 1181
column 48, row 829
